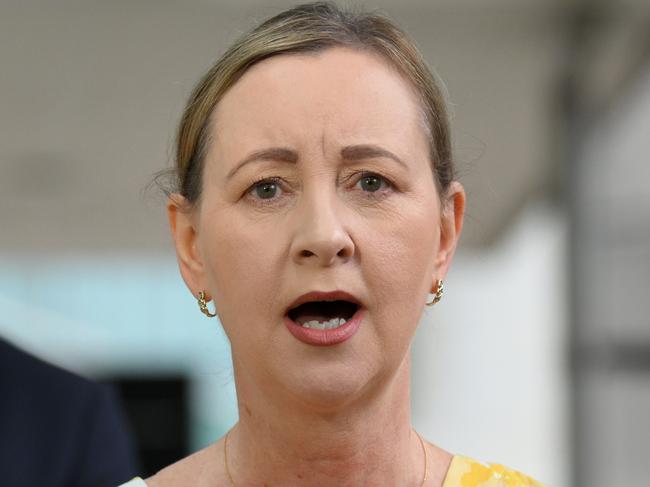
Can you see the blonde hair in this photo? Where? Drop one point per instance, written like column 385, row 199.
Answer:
column 310, row 28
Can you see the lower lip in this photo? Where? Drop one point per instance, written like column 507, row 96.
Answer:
column 324, row 338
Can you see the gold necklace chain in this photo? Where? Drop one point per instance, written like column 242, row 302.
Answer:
column 225, row 458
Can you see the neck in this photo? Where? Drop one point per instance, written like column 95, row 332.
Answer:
column 279, row 441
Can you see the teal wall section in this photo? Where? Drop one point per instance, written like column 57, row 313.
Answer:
column 125, row 315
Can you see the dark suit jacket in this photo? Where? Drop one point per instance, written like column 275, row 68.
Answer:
column 58, row 429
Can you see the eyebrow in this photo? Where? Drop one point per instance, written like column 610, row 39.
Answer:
column 281, row 154
column 368, row 151
column 284, row 154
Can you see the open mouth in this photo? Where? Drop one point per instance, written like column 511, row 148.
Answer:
column 323, row 315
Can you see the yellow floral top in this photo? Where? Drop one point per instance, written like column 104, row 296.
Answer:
column 466, row 472
column 463, row 472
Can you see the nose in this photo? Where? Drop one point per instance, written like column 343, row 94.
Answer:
column 321, row 238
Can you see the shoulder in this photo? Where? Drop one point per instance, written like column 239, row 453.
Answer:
column 29, row 382
column 61, row 421
column 203, row 468
column 469, row 472
column 32, row 376
column 136, row 482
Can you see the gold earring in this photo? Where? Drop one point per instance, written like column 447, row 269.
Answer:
column 203, row 305
column 438, row 293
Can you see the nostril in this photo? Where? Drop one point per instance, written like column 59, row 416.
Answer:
column 325, row 252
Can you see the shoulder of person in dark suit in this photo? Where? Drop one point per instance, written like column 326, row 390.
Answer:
column 59, row 429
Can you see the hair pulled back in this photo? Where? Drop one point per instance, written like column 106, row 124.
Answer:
column 310, row 28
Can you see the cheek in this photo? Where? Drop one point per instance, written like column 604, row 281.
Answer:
column 398, row 265
column 240, row 262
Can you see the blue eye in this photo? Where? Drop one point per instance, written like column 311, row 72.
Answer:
column 266, row 189
column 372, row 182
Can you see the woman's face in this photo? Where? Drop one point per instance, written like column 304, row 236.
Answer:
column 348, row 203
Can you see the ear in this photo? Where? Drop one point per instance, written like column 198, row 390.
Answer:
column 182, row 222
column 451, row 225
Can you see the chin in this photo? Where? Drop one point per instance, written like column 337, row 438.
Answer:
column 329, row 389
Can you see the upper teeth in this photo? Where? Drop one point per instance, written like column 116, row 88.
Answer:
column 325, row 325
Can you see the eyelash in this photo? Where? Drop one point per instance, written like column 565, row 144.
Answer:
column 258, row 182
column 362, row 174
column 375, row 194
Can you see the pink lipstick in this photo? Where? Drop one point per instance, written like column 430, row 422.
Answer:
column 323, row 338
column 311, row 317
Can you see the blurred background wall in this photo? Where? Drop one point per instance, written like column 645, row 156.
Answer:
column 545, row 303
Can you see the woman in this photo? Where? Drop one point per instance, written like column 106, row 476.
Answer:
column 316, row 206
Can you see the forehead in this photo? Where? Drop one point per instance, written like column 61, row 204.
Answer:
column 336, row 96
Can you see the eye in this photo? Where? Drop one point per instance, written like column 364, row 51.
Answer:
column 265, row 189
column 371, row 182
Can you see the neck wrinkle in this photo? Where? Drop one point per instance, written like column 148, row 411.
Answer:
column 371, row 442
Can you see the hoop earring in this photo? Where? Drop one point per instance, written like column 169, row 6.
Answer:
column 203, row 305
column 440, row 289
